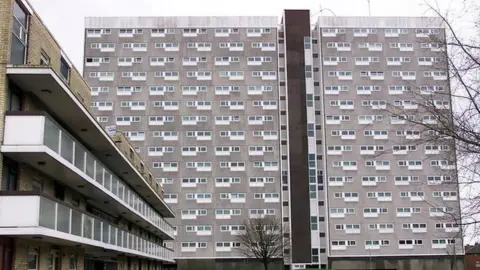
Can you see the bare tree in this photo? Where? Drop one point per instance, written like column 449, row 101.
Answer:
column 263, row 239
column 445, row 119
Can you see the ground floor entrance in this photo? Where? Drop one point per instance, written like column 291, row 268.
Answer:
column 96, row 264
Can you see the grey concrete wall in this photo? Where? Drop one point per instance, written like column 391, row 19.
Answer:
column 211, row 264
column 176, row 188
column 443, row 263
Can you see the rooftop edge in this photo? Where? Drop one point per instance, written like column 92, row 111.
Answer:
column 182, row 22
column 380, row 22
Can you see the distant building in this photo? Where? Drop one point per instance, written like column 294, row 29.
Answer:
column 241, row 117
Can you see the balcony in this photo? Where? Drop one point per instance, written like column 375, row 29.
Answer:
column 39, row 142
column 57, row 223
column 64, row 105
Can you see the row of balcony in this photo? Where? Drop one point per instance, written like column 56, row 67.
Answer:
column 38, row 141
column 44, row 217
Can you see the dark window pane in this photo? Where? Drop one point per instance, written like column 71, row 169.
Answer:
column 64, row 69
column 32, row 260
column 17, row 54
column 14, row 102
column 20, row 14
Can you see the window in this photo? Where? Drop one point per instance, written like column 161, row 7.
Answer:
column 307, row 43
column 14, row 98
column 64, row 68
column 230, row 228
column 344, row 243
column 102, row 75
column 165, row 181
column 395, row 31
column 198, row 165
column 371, row 46
column 127, row 60
column 98, row 32
column 44, row 59
column 402, row 46
column 32, row 259
column 196, row 196
column 266, row 195
column 169, row 46
column 262, row 45
column 417, row 242
column 135, row 46
column 162, row 31
column 340, row 46
column 37, row 184
column 197, row 228
column 364, row 31
column 235, row 212
column 73, row 262
column 227, row 180
column 339, row 74
column 103, row 46
column 10, row 175
column 426, row 31
column 59, row 191
column 19, row 35
column 129, row 31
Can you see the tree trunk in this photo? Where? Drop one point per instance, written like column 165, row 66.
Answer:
column 265, row 265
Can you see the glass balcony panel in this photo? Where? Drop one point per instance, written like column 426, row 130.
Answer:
column 97, row 230
column 76, row 223
column 79, row 157
column 125, row 240
column 66, row 147
column 88, row 227
column 119, row 238
column 107, row 178
column 121, row 191
column 63, row 218
column 51, row 138
column 114, row 188
column 99, row 173
column 90, row 166
column 130, row 241
column 47, row 213
column 113, row 235
column 105, row 232
column 130, row 197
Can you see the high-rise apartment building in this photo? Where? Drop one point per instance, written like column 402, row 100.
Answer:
column 241, row 117
column 71, row 195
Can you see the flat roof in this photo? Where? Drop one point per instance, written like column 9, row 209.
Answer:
column 380, row 22
column 182, row 22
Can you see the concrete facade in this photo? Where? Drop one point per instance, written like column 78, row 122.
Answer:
column 230, row 181
column 401, row 193
column 359, row 189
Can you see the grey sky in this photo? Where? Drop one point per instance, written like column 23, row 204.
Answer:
column 65, row 18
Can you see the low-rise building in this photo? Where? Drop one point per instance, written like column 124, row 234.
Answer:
column 72, row 196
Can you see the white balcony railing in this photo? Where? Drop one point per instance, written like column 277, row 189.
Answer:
column 42, row 216
column 44, row 136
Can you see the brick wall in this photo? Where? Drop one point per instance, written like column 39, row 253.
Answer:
column 40, row 40
column 5, row 40
column 23, row 246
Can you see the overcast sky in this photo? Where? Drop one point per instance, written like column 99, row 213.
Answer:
column 65, row 18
